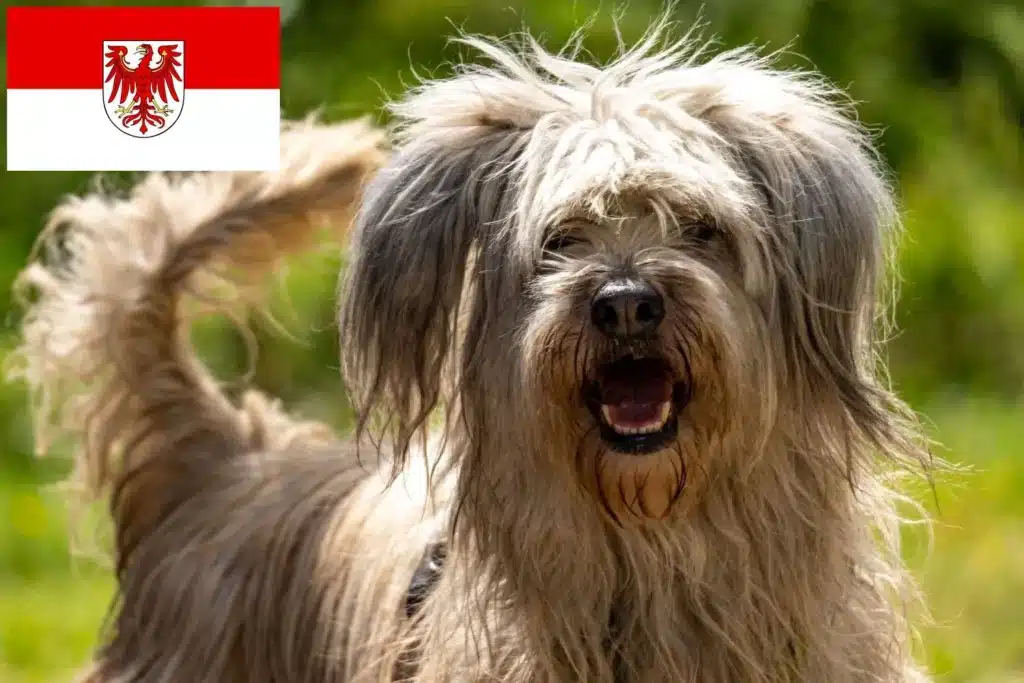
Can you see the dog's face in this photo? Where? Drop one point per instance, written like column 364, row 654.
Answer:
column 634, row 344
column 609, row 335
column 639, row 275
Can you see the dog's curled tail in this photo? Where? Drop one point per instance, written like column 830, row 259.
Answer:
column 105, row 343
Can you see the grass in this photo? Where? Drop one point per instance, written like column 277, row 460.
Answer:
column 51, row 606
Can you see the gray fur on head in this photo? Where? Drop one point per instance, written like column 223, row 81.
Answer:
column 755, row 208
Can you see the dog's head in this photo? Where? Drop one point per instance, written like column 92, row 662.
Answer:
column 640, row 275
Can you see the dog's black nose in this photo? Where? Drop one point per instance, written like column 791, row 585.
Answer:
column 627, row 308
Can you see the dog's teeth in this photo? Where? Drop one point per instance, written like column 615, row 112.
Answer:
column 664, row 411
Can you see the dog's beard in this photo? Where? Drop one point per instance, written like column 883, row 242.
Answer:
column 636, row 446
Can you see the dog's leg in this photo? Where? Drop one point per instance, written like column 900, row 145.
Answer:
column 106, row 355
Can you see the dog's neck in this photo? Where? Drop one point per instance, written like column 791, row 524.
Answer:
column 773, row 578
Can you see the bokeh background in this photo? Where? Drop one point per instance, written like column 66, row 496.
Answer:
column 944, row 82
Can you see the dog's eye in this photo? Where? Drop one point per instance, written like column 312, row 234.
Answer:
column 703, row 231
column 561, row 242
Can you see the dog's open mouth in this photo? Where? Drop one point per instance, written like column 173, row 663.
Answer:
column 636, row 402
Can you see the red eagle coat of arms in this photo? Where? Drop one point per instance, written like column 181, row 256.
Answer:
column 143, row 85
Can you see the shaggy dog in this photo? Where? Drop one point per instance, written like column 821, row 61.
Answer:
column 612, row 330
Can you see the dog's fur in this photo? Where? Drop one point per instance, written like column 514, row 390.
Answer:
column 759, row 545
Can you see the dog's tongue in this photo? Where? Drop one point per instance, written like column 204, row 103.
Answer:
column 634, row 392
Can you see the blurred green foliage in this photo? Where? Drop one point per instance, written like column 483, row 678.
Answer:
column 941, row 81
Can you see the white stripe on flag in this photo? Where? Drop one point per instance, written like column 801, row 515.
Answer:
column 219, row 130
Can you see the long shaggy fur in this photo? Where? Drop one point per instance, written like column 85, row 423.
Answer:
column 221, row 510
column 759, row 545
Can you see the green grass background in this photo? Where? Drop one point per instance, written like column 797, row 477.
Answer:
column 941, row 81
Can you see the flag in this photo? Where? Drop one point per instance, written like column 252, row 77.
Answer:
column 143, row 88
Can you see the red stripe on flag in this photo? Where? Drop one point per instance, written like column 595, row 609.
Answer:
column 225, row 47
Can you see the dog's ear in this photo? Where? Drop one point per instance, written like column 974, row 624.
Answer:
column 831, row 217
column 440, row 200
